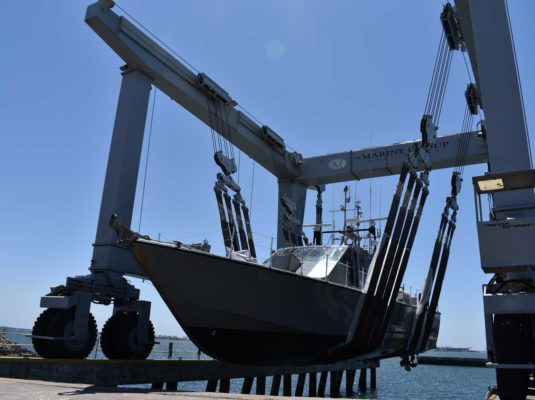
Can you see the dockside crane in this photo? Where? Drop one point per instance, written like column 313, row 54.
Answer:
column 479, row 28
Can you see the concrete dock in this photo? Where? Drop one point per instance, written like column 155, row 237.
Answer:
column 16, row 389
column 319, row 380
column 128, row 372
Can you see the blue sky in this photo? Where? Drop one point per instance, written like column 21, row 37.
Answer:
column 327, row 76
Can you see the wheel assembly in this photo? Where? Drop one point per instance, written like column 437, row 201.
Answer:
column 58, row 324
column 119, row 337
column 509, row 339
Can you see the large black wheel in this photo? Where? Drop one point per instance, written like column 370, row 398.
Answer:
column 55, row 322
column 119, row 338
column 509, row 342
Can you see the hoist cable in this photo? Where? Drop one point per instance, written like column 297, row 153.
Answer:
column 466, row 138
column 437, row 77
column 147, row 159
column 467, row 145
column 218, row 118
column 211, row 124
column 467, row 68
column 444, row 86
column 226, row 114
column 439, row 80
column 252, row 187
column 464, row 142
column 460, row 147
column 441, row 84
column 442, row 37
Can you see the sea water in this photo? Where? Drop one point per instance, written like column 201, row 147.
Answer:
column 393, row 382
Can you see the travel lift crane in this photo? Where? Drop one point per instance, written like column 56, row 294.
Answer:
column 482, row 29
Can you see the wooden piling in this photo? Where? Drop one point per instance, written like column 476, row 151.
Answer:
column 170, row 351
column 211, row 385
column 373, row 378
column 362, row 380
column 171, row 385
column 350, row 381
column 287, row 385
column 157, row 386
column 247, row 385
column 300, row 385
column 261, row 385
column 322, row 384
column 275, row 385
column 224, row 385
column 336, row 377
column 312, row 385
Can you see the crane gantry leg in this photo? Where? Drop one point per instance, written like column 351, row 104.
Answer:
column 66, row 328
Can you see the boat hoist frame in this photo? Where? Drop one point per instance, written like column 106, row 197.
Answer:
column 148, row 64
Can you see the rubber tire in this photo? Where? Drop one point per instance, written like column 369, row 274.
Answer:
column 118, row 339
column 509, row 342
column 57, row 322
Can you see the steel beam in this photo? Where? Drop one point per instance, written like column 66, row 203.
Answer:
column 181, row 84
column 122, row 173
column 380, row 161
column 487, row 33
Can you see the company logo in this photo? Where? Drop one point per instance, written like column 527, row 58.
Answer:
column 337, row 163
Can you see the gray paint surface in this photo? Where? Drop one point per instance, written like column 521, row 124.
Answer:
column 487, row 32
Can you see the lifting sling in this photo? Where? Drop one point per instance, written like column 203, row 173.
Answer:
column 389, row 261
column 428, row 301
column 402, row 254
column 373, row 312
column 219, row 190
column 237, row 201
column 232, row 225
column 237, row 232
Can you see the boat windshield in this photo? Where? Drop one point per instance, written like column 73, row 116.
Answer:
column 315, row 261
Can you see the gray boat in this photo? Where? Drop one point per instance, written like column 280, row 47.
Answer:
column 295, row 308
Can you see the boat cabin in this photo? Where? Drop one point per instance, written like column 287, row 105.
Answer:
column 342, row 264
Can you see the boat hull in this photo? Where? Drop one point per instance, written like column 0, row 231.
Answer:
column 246, row 313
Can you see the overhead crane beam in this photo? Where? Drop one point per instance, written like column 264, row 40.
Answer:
column 375, row 162
column 175, row 79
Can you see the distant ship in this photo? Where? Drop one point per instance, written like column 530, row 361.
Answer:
column 295, row 308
